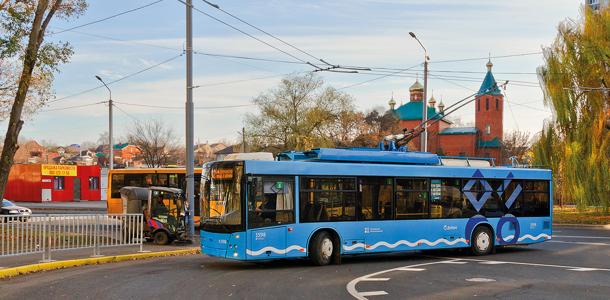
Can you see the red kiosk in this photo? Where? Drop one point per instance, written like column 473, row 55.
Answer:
column 60, row 183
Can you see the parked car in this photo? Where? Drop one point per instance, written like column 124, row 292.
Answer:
column 9, row 208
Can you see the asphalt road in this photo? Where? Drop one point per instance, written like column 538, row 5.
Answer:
column 575, row 264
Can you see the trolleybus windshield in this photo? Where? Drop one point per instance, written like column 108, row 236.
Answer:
column 222, row 190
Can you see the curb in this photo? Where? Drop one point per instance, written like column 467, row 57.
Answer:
column 55, row 265
column 601, row 226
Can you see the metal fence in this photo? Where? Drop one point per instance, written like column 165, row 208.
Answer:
column 20, row 235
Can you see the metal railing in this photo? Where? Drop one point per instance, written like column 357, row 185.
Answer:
column 21, row 235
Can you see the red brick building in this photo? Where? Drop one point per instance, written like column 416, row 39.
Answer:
column 483, row 140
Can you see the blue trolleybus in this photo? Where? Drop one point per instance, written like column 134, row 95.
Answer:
column 326, row 203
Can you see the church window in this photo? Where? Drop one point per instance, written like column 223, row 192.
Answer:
column 487, row 104
column 488, row 129
column 479, row 105
column 497, row 104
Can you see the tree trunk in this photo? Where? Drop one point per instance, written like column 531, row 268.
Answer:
column 15, row 122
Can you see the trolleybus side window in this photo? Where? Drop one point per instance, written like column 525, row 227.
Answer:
column 376, row 198
column 449, row 202
column 412, row 198
column 494, row 206
column 536, row 198
column 271, row 201
column 327, row 199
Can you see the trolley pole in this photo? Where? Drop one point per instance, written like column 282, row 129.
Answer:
column 190, row 159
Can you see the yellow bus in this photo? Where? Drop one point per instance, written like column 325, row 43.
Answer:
column 164, row 177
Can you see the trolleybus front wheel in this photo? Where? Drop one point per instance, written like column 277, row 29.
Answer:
column 321, row 249
column 482, row 241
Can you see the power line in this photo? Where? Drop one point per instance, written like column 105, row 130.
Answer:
column 265, row 32
column 107, row 18
column 71, row 107
column 487, row 57
column 243, row 32
column 245, row 80
column 377, row 78
column 126, row 113
column 117, row 80
column 182, row 107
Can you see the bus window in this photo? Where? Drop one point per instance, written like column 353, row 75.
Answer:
column 271, row 201
column 494, row 206
column 173, row 181
column 118, row 181
column 411, row 198
column 162, row 180
column 376, row 198
column 536, row 198
column 327, row 199
column 451, row 203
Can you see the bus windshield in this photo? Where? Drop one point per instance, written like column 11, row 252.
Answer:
column 222, row 189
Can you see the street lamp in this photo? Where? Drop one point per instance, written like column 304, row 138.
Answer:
column 110, row 150
column 424, row 137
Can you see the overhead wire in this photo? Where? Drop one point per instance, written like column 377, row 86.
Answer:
column 107, row 18
column 377, row 78
column 117, row 80
column 72, row 107
column 182, row 107
column 265, row 32
column 243, row 32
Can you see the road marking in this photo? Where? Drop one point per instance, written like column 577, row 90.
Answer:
column 456, row 262
column 491, row 262
column 522, row 263
column 375, row 279
column 580, row 243
column 582, row 237
column 351, row 286
column 476, row 279
column 583, row 269
column 373, row 293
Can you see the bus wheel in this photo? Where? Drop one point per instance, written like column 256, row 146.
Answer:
column 321, row 249
column 482, row 241
column 161, row 238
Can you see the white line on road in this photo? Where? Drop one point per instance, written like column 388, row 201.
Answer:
column 483, row 261
column 582, row 237
column 375, row 279
column 579, row 243
column 373, row 293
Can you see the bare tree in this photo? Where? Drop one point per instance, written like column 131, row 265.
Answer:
column 517, row 144
column 156, row 141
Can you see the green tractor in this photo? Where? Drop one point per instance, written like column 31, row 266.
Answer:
column 165, row 212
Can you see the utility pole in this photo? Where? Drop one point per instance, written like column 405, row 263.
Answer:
column 243, row 139
column 190, row 151
column 424, row 135
column 110, row 148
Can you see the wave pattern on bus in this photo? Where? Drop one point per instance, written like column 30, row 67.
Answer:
column 275, row 250
column 528, row 236
column 404, row 242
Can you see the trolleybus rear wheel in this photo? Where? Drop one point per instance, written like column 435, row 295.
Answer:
column 482, row 241
column 321, row 249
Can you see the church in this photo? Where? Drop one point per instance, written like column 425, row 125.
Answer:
column 482, row 140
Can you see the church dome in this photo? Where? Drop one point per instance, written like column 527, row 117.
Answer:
column 416, row 86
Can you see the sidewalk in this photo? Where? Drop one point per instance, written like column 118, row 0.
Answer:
column 61, row 255
column 81, row 207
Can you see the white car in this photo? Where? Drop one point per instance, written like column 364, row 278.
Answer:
column 9, row 208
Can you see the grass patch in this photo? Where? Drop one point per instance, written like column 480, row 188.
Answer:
column 569, row 215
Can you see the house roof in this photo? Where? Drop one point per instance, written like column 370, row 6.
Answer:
column 459, row 130
column 227, row 150
column 495, row 143
column 120, row 146
column 413, row 111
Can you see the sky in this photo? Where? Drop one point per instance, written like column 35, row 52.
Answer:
column 370, row 33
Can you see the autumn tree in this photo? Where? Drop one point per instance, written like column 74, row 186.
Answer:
column 576, row 143
column 301, row 113
column 376, row 125
column 28, row 62
column 157, row 142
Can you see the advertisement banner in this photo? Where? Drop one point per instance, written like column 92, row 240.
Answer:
column 58, row 170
